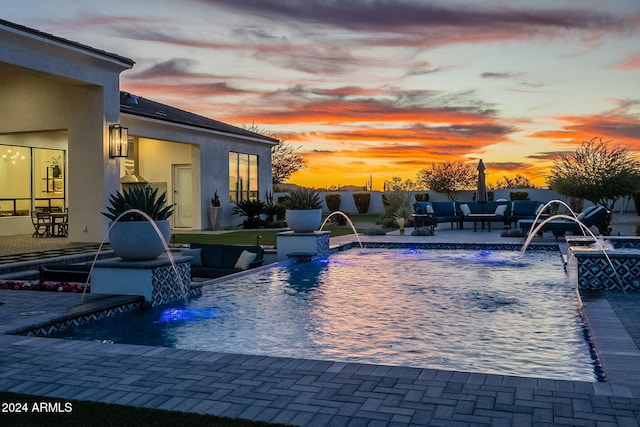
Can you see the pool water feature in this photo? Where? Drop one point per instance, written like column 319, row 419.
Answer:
column 477, row 311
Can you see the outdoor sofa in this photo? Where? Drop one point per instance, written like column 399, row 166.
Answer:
column 505, row 212
column 437, row 212
column 78, row 273
column 522, row 209
column 590, row 217
column 492, row 211
column 217, row 260
column 458, row 212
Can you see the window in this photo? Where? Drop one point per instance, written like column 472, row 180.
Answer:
column 30, row 178
column 243, row 177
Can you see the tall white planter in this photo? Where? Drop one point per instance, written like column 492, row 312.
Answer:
column 303, row 221
column 138, row 240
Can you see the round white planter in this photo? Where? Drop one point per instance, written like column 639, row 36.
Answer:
column 138, row 240
column 303, row 221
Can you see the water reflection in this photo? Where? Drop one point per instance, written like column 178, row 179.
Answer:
column 305, row 276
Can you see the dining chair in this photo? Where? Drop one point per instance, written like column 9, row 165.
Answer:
column 41, row 224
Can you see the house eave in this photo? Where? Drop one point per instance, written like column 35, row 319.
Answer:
column 155, row 120
column 68, row 44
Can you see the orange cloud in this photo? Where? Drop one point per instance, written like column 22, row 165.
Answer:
column 622, row 125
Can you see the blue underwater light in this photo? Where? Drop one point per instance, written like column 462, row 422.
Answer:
column 411, row 251
column 175, row 315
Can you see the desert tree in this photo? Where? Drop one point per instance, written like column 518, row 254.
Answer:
column 518, row 181
column 397, row 184
column 597, row 172
column 449, row 177
column 285, row 160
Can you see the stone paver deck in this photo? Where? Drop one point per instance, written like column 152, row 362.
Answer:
column 321, row 393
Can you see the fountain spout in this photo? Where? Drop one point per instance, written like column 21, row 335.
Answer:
column 348, row 220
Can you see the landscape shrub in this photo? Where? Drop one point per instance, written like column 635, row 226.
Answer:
column 514, row 232
column 34, row 285
column 392, row 202
column 374, row 232
column 333, row 202
column 362, row 201
column 519, row 195
column 576, row 204
column 423, row 231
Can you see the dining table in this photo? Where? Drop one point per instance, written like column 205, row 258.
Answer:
column 59, row 224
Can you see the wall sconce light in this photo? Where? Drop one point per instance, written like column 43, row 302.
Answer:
column 118, row 141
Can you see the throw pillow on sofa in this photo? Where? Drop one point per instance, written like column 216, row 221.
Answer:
column 195, row 254
column 501, row 209
column 466, row 210
column 245, row 260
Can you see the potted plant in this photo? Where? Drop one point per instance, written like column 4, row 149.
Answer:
column 271, row 211
column 55, row 166
column 303, row 210
column 362, row 201
column 213, row 212
column 132, row 236
column 402, row 215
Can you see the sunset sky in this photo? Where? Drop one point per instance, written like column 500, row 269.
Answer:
column 380, row 88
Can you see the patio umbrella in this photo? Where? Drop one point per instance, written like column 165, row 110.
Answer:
column 481, row 191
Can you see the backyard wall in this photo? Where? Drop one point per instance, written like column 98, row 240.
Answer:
column 347, row 204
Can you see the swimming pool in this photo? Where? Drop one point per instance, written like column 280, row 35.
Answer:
column 477, row 311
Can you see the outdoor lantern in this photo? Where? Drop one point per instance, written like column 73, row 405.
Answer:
column 118, row 141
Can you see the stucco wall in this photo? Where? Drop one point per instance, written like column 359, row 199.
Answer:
column 48, row 85
column 207, row 153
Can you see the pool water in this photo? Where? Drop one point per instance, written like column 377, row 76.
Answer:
column 476, row 311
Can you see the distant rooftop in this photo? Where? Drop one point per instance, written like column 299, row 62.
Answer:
column 139, row 106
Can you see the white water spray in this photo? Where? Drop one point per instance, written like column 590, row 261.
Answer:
column 535, row 228
column 348, row 220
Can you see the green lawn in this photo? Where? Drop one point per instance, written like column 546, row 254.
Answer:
column 268, row 236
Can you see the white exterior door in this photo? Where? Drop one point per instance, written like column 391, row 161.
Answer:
column 182, row 196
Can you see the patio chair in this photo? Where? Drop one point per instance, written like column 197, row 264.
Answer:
column 591, row 216
column 41, row 223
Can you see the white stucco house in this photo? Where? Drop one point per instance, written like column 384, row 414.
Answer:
column 60, row 100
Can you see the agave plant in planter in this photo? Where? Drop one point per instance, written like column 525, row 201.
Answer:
column 304, row 210
column 213, row 212
column 132, row 236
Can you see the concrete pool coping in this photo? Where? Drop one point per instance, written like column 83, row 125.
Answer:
column 308, row 392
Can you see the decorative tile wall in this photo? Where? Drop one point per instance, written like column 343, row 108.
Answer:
column 593, row 271
column 167, row 287
column 59, row 325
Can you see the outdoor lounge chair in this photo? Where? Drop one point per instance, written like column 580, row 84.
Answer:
column 591, row 216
